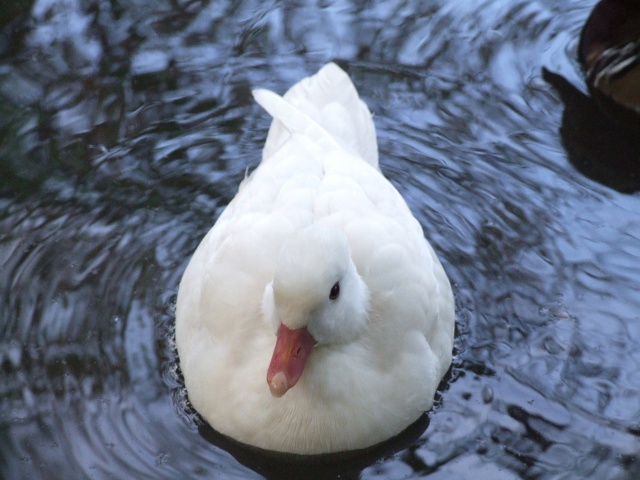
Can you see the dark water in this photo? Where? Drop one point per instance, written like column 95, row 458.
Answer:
column 125, row 127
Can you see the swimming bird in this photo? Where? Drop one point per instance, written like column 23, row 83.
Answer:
column 609, row 51
column 314, row 317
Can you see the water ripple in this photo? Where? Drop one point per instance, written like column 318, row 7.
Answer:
column 124, row 130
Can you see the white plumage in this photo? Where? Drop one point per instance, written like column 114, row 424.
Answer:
column 315, row 218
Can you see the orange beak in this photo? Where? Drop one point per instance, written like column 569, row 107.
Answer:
column 289, row 358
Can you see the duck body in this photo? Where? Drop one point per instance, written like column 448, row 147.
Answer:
column 314, row 317
column 609, row 51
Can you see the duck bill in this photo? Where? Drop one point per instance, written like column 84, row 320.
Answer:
column 290, row 355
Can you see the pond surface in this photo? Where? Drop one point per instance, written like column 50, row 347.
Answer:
column 126, row 126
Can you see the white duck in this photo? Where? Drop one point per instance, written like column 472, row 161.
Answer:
column 314, row 317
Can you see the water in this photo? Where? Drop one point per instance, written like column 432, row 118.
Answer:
column 125, row 127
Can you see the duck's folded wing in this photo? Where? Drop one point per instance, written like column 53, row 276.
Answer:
column 327, row 106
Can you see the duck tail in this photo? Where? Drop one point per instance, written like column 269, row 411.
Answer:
column 325, row 105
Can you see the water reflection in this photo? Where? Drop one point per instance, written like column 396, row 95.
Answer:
column 346, row 465
column 603, row 148
column 126, row 126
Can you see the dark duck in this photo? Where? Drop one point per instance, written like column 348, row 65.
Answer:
column 609, row 52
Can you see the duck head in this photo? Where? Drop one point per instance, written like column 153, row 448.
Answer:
column 316, row 298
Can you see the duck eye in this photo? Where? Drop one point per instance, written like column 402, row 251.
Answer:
column 335, row 291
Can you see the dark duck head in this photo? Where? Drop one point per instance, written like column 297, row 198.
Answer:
column 609, row 52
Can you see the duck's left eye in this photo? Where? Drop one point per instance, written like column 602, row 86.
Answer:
column 335, row 291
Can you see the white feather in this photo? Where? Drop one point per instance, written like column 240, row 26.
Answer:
column 269, row 258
